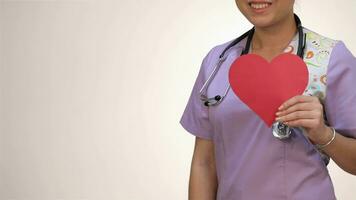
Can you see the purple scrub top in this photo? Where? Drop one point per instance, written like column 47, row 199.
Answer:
column 252, row 164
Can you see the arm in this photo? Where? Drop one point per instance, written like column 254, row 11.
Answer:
column 343, row 151
column 307, row 112
column 339, row 106
column 203, row 180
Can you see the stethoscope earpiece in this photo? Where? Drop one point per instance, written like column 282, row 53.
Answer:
column 217, row 97
column 213, row 101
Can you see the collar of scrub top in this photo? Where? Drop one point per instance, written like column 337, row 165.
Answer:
column 217, row 99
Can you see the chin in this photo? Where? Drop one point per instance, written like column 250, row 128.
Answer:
column 264, row 13
column 261, row 21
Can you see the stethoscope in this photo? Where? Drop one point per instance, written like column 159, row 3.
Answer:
column 280, row 130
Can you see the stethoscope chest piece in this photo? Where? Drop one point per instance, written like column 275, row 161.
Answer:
column 280, row 130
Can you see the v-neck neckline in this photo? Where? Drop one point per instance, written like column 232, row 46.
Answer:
column 291, row 48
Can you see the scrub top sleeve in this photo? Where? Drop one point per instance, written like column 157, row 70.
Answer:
column 340, row 100
column 195, row 116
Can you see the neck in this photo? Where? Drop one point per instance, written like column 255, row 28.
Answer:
column 275, row 37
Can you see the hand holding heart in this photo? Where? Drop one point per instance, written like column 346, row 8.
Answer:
column 306, row 112
column 264, row 86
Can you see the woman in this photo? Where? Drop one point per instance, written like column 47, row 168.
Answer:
column 236, row 156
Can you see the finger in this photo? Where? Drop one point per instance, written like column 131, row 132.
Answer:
column 297, row 107
column 296, row 99
column 298, row 115
column 306, row 123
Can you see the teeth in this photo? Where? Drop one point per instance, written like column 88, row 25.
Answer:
column 259, row 5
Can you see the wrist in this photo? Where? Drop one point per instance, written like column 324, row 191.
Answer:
column 328, row 140
column 325, row 136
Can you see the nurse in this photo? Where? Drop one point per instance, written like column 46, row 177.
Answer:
column 236, row 156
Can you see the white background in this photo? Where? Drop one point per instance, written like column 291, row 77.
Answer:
column 92, row 92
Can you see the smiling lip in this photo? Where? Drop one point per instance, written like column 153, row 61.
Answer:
column 259, row 6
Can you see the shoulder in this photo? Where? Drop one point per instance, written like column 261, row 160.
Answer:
column 318, row 40
column 326, row 45
column 324, row 53
column 342, row 54
column 329, row 52
column 332, row 58
column 342, row 64
column 215, row 51
column 318, row 47
column 212, row 57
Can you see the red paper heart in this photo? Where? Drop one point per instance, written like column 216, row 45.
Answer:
column 264, row 86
